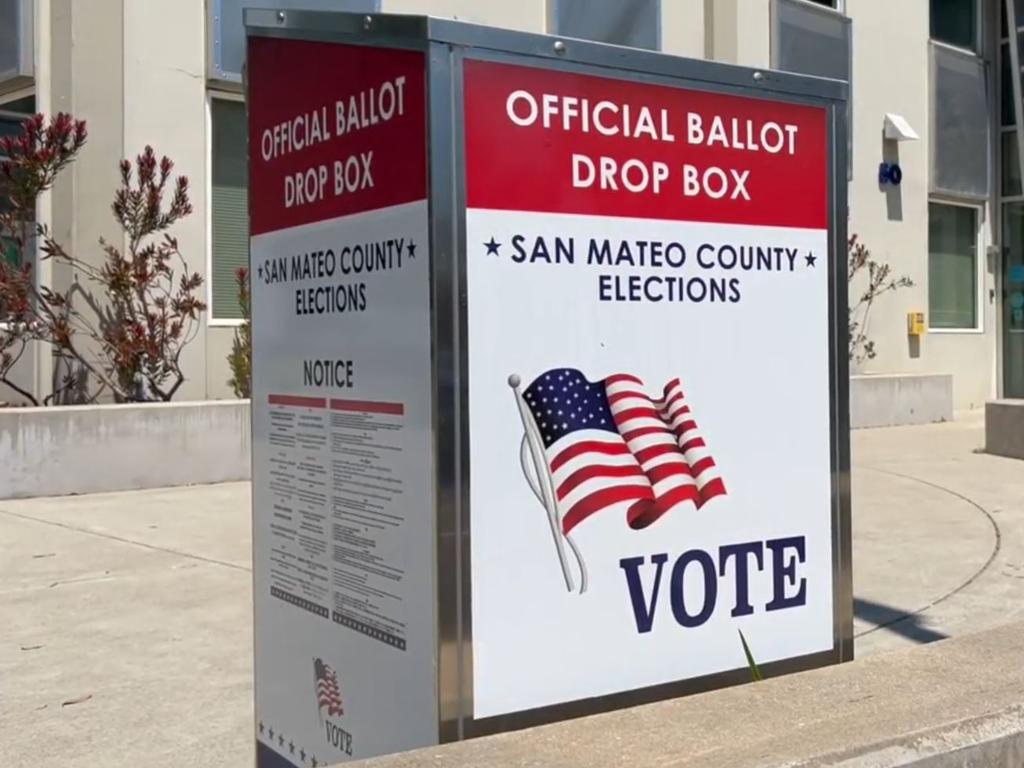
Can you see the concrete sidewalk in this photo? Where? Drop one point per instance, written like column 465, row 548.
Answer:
column 938, row 534
column 126, row 618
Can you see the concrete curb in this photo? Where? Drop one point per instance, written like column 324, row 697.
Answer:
column 953, row 703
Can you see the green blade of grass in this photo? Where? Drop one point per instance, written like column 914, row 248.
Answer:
column 755, row 673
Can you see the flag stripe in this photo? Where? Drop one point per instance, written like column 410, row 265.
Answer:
column 587, row 446
column 623, row 378
column 598, row 500
column 641, row 517
column 593, row 471
column 692, row 445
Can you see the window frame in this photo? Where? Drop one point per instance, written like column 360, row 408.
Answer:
column 979, row 266
column 977, row 46
column 838, row 6
column 551, row 25
column 16, row 95
column 212, row 321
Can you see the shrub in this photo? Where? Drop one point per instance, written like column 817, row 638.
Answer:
column 121, row 326
column 879, row 279
column 240, row 358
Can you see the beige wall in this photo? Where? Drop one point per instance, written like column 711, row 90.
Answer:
column 890, row 74
column 82, row 75
column 737, row 31
column 682, row 21
column 894, row 224
column 136, row 71
column 525, row 15
column 682, row 28
column 165, row 106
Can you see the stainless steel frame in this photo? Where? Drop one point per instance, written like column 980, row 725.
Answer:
column 448, row 44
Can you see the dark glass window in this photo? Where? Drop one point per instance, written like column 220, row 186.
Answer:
column 955, row 22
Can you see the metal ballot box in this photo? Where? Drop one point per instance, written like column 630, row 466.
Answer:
column 550, row 379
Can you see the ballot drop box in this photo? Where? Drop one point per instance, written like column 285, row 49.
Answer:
column 549, row 379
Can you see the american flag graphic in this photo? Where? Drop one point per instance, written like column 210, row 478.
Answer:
column 327, row 692
column 608, row 445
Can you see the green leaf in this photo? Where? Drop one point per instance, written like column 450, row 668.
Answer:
column 755, row 673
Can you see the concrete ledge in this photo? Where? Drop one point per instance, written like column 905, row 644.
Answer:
column 1004, row 428
column 953, row 703
column 88, row 449
column 889, row 400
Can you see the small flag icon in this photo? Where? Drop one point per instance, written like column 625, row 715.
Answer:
column 328, row 695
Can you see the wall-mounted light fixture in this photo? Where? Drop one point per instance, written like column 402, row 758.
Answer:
column 896, row 128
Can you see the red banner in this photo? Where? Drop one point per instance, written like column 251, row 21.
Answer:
column 559, row 142
column 348, row 134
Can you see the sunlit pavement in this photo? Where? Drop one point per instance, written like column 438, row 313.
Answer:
column 125, row 619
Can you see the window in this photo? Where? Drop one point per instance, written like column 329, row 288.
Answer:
column 229, row 211
column 12, row 114
column 16, row 38
column 635, row 23
column 952, row 266
column 813, row 41
column 960, row 127
column 955, row 22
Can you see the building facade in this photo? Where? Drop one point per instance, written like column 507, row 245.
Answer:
column 936, row 90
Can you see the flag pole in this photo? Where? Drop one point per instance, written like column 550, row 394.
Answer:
column 544, row 479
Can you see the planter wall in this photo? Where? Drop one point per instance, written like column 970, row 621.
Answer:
column 95, row 448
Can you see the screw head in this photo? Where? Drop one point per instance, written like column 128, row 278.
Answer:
column 367, row 22
column 559, row 47
column 758, row 76
column 280, row 17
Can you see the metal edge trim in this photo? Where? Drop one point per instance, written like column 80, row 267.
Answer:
column 464, row 34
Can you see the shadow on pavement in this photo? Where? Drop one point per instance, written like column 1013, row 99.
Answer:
column 894, row 620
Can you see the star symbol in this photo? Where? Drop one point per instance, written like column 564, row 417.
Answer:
column 291, row 747
column 261, row 726
column 271, row 734
column 811, row 259
column 412, row 250
column 280, row 740
column 492, row 247
column 259, row 271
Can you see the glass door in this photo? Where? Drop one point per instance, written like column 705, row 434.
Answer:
column 1011, row 55
column 1013, row 299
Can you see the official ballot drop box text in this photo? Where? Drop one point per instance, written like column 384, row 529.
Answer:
column 549, row 379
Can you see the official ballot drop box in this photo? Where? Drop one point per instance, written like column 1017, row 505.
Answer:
column 550, row 390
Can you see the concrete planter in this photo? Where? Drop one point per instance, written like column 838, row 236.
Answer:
column 95, row 448
column 893, row 399
column 1004, row 428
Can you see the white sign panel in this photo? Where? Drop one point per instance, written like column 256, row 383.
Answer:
column 649, row 386
column 343, row 489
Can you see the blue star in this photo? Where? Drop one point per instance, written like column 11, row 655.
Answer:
column 492, row 247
